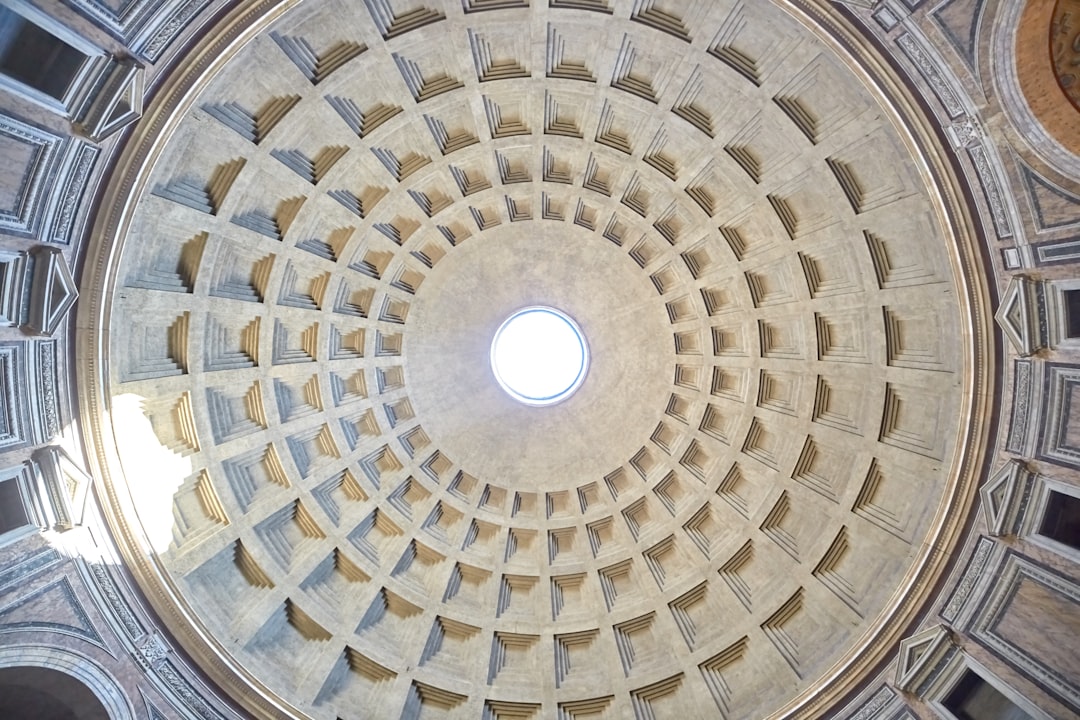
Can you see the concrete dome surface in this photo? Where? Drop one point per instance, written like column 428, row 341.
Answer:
column 777, row 422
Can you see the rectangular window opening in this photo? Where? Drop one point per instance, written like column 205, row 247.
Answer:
column 975, row 699
column 12, row 508
column 35, row 57
column 1072, row 313
column 1061, row 521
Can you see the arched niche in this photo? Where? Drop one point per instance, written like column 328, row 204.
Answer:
column 54, row 684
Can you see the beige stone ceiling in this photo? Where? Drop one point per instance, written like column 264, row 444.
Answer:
column 319, row 464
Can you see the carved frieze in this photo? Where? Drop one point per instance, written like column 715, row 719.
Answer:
column 1025, row 403
column 964, row 589
column 931, row 70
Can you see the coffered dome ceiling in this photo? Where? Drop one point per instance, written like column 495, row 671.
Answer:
column 322, row 224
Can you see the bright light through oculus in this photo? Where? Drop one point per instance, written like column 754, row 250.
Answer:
column 539, row 356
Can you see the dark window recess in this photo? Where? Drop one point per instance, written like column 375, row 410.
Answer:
column 1061, row 521
column 975, row 699
column 36, row 57
column 1072, row 313
column 12, row 511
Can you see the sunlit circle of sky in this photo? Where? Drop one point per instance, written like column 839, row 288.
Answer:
column 539, row 356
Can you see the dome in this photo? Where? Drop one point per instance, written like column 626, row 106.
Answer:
column 320, row 241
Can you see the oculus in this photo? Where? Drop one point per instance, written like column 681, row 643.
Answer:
column 539, row 356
